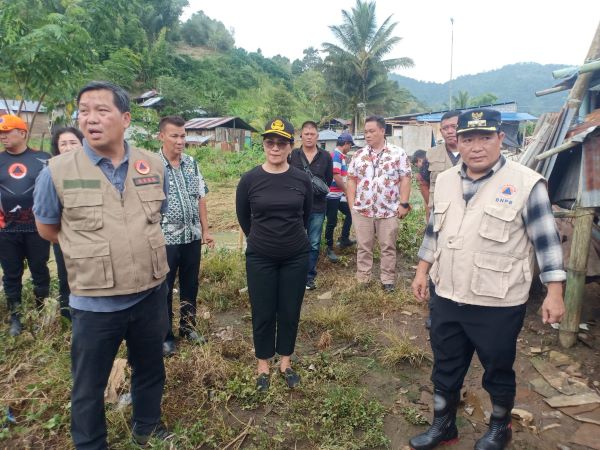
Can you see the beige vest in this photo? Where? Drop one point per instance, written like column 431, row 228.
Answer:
column 438, row 162
column 484, row 256
column 112, row 243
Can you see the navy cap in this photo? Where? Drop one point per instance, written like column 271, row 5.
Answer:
column 281, row 127
column 344, row 138
column 482, row 119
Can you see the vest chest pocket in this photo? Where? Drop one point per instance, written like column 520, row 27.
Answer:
column 83, row 210
column 91, row 264
column 495, row 224
column 160, row 266
column 152, row 200
column 490, row 274
column 440, row 210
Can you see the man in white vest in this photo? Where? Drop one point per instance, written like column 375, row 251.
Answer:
column 490, row 216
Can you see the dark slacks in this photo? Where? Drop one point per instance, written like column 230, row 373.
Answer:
column 333, row 206
column 276, row 289
column 185, row 260
column 314, row 231
column 95, row 342
column 63, row 281
column 15, row 248
column 458, row 330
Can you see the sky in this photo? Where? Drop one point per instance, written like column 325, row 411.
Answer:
column 487, row 35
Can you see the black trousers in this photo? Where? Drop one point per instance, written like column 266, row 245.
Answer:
column 276, row 289
column 333, row 206
column 185, row 259
column 15, row 248
column 63, row 281
column 94, row 345
column 457, row 330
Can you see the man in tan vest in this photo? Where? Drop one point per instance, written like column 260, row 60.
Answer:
column 104, row 204
column 490, row 216
column 440, row 158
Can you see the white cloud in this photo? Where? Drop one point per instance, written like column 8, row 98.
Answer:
column 487, row 35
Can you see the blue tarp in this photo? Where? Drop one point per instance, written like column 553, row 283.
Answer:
column 506, row 117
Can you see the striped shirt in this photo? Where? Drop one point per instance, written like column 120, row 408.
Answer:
column 537, row 217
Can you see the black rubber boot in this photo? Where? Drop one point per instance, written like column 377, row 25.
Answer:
column 15, row 325
column 443, row 429
column 499, row 432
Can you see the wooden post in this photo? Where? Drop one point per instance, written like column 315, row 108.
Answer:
column 576, row 271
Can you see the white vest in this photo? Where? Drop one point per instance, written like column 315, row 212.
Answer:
column 484, row 255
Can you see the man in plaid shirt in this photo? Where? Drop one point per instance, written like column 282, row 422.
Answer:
column 489, row 217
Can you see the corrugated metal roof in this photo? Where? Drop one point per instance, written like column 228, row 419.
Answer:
column 328, row 135
column 148, row 94
column 151, row 102
column 208, row 123
column 506, row 117
column 196, row 139
column 12, row 106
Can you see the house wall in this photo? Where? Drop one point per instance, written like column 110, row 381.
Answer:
column 227, row 139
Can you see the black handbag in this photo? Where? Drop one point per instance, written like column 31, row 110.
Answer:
column 320, row 188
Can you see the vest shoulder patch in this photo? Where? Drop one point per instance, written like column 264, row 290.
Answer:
column 80, row 183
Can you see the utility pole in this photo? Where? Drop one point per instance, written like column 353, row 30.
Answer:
column 451, row 60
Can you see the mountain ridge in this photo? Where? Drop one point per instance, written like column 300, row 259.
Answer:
column 513, row 82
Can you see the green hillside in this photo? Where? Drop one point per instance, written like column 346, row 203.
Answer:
column 516, row 82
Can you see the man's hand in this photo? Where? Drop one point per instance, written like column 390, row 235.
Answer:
column 208, row 240
column 420, row 285
column 553, row 308
column 403, row 212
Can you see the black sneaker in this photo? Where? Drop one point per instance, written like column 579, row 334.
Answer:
column 388, row 288
column 15, row 326
column 332, row 256
column 169, row 348
column 310, row 285
column 262, row 382
column 344, row 243
column 160, row 433
column 292, row 379
column 194, row 337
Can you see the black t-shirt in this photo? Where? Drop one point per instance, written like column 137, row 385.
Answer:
column 273, row 211
column 17, row 181
column 321, row 166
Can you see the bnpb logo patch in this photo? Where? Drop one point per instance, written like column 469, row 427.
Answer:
column 17, row 170
column 142, row 167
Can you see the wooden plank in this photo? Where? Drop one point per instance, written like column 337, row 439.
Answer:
column 540, row 386
column 572, row 400
column 553, row 376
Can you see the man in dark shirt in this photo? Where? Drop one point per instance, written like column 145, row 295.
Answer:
column 320, row 165
column 19, row 239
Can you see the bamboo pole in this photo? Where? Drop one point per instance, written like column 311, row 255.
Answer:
column 576, row 271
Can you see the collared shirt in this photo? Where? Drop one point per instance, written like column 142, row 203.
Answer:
column 377, row 180
column 537, row 217
column 339, row 168
column 48, row 210
column 181, row 223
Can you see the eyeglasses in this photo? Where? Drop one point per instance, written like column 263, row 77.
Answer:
column 270, row 143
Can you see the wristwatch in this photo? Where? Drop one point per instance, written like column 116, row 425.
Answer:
column 405, row 205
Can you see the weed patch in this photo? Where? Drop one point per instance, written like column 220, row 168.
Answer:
column 401, row 349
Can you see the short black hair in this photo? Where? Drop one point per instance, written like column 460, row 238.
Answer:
column 419, row 154
column 309, row 123
column 120, row 95
column 58, row 132
column 450, row 115
column 178, row 121
column 378, row 119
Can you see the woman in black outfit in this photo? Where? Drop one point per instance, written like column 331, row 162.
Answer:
column 64, row 139
column 273, row 203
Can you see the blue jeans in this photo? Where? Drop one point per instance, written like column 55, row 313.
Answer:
column 314, row 231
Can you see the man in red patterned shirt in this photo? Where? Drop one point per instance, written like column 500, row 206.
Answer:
column 378, row 191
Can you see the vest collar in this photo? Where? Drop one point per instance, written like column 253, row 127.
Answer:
column 96, row 158
column 495, row 168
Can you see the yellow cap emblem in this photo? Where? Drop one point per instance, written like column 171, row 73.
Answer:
column 277, row 125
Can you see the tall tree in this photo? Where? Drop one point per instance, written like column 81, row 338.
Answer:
column 357, row 66
column 461, row 100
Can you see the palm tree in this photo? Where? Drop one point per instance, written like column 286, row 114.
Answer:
column 461, row 100
column 356, row 69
